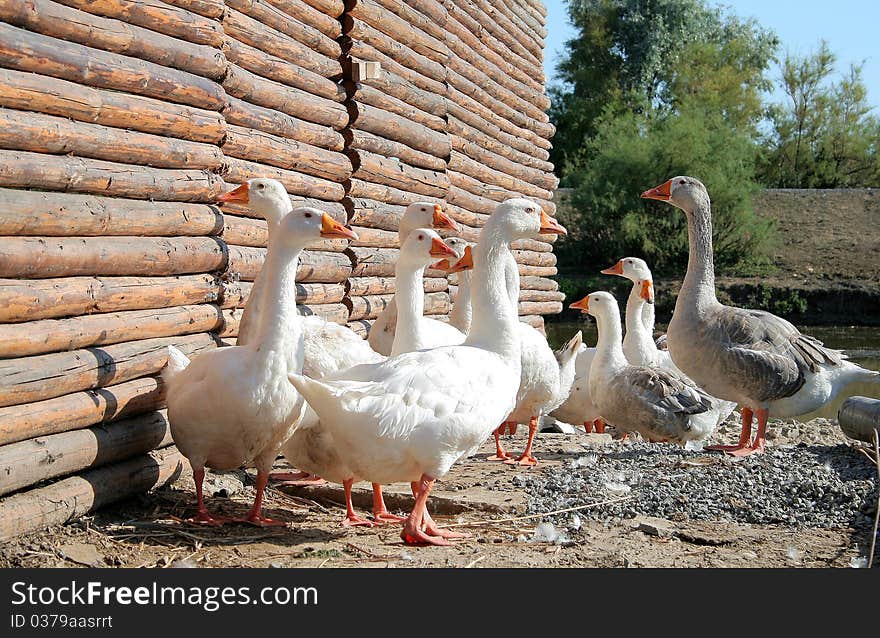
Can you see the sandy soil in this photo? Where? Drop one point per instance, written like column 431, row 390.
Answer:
column 476, row 496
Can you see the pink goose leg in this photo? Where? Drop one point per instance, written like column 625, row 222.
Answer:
column 745, row 436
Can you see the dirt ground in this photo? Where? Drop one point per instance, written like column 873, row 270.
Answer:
column 476, row 496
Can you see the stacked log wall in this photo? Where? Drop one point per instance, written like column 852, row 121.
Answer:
column 122, row 121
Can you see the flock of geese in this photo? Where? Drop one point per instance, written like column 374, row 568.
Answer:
column 421, row 394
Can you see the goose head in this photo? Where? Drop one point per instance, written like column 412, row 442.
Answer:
column 598, row 304
column 266, row 197
column 686, row 193
column 424, row 215
column 637, row 271
column 521, row 218
column 422, row 248
column 458, row 246
column 305, row 225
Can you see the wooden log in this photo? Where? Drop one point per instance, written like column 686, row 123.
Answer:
column 370, row 167
column 35, row 132
column 65, row 23
column 274, row 122
column 431, row 9
column 360, row 50
column 400, row 29
column 391, row 126
column 289, row 24
column 28, row 462
column 466, row 216
column 369, row 307
column 538, row 271
column 483, row 43
column 462, row 134
column 525, row 20
column 29, row 92
column 528, row 59
column 532, row 258
column 539, row 132
column 302, row 11
column 54, row 335
column 538, row 283
column 365, row 141
column 26, row 51
column 157, row 16
column 375, row 238
column 396, row 86
column 280, row 70
column 208, row 8
column 366, row 307
column 38, row 213
column 536, row 245
column 493, row 129
column 418, row 16
column 366, row 94
column 261, row 36
column 540, row 307
column 380, row 262
column 20, row 169
column 505, row 26
column 68, row 499
column 80, row 409
column 461, row 163
column 314, row 267
column 239, row 170
column 461, row 198
column 371, row 286
column 508, row 103
column 544, row 179
column 374, row 213
column 332, row 312
column 480, row 189
column 265, row 148
column 52, row 298
column 380, row 192
column 333, row 8
column 46, row 376
column 287, row 99
column 541, row 295
column 44, row 257
column 373, row 35
column 235, row 294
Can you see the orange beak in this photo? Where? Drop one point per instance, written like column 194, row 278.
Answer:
column 465, row 263
column 647, row 291
column 442, row 220
column 616, row 269
column 583, row 305
column 440, row 249
column 550, row 226
column 238, row 196
column 661, row 193
column 332, row 229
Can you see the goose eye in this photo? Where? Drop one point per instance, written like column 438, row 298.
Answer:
column 308, row 215
column 681, row 182
column 261, row 186
column 421, row 237
column 530, row 210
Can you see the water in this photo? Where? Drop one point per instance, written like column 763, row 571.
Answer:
column 860, row 343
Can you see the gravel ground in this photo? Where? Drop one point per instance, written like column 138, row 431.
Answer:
column 800, row 485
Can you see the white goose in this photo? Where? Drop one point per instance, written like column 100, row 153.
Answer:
column 759, row 360
column 658, row 403
column 413, row 416
column 223, row 427
column 312, row 447
column 461, row 313
column 417, row 215
column 638, row 343
column 579, row 406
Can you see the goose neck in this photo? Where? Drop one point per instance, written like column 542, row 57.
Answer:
column 279, row 326
column 608, row 345
column 494, row 325
column 638, row 338
column 410, row 298
column 462, row 312
column 699, row 282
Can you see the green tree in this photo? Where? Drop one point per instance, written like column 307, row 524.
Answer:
column 641, row 56
column 653, row 89
column 825, row 136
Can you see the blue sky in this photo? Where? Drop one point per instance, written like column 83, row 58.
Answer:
column 851, row 27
